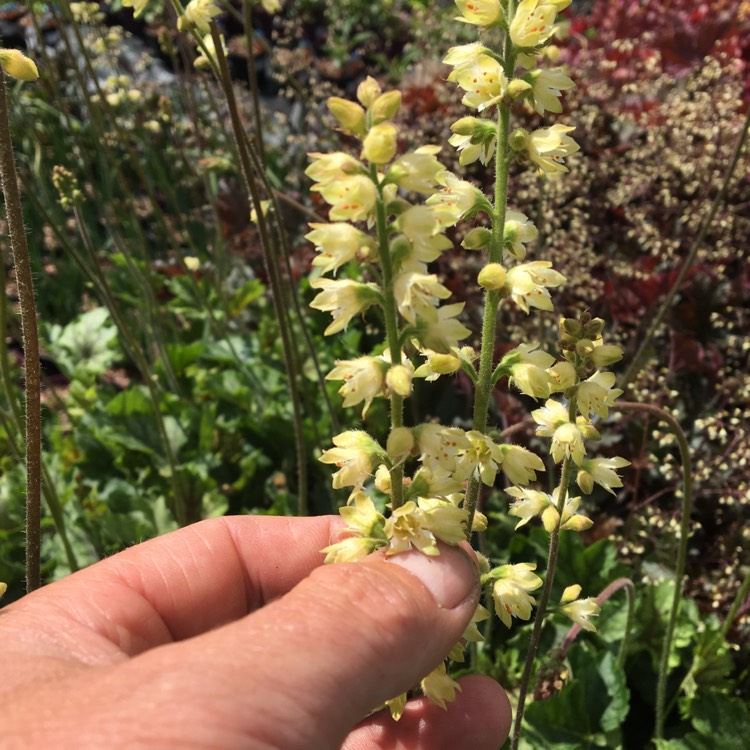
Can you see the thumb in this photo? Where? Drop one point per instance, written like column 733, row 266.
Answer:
column 348, row 637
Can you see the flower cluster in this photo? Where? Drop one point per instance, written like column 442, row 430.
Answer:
column 429, row 475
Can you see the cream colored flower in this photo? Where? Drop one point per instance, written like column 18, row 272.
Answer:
column 579, row 610
column 439, row 330
column 438, row 364
column 356, row 453
column 455, row 200
column 396, row 706
column 417, row 170
column 479, row 12
column 528, row 370
column 518, row 230
column 528, row 284
column 208, row 57
column 548, row 146
column 421, row 524
column 571, row 519
column 520, row 465
column 439, row 687
column 534, row 21
column 328, row 168
column 363, row 380
column 198, row 15
column 567, row 442
column 562, row 376
column 484, row 82
column 528, row 504
column 596, row 394
column 546, row 87
column 510, row 591
column 605, row 354
column 602, row 471
column 463, row 56
column 481, row 459
column 421, row 226
column 343, row 299
column 349, row 114
column 352, row 198
column 338, row 243
column 441, row 446
column 271, row 6
column 417, row 294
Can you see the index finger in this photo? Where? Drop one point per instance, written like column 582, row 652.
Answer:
column 184, row 583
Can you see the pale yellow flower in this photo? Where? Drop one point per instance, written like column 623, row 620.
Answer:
column 520, row 465
column 198, row 15
column 546, row 88
column 417, row 293
column 602, row 471
column 421, row 524
column 17, row 65
column 384, row 107
column 518, row 230
column 368, row 91
column 479, row 12
column 438, row 364
column 605, row 354
column 343, row 299
column 439, row 330
column 338, row 243
column 528, row 504
column 596, row 394
column 481, row 459
column 352, row 198
column 534, row 21
column 528, row 369
column 416, row 170
column 455, row 200
column 205, row 58
column 271, row 6
column 484, row 82
column 396, row 706
column 327, row 168
column 579, row 610
column 355, row 454
column 463, row 56
column 440, row 446
column 363, row 380
column 548, row 146
column 562, row 376
column 510, row 591
column 421, row 226
column 439, row 687
column 567, row 442
column 528, row 284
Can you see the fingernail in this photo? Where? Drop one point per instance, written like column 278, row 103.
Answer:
column 451, row 577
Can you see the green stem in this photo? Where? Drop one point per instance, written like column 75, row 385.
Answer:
column 636, row 363
column 30, row 336
column 687, row 505
column 736, row 604
column 549, row 578
column 277, row 291
column 492, row 298
column 391, row 330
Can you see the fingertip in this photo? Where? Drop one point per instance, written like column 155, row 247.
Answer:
column 479, row 719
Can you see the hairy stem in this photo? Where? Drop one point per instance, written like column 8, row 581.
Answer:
column 30, row 336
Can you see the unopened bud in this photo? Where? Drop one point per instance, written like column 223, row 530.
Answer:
column 606, row 354
column 585, row 482
column 383, row 479
column 379, row 145
column 400, row 442
column 478, row 238
column 385, row 107
column 492, row 277
column 517, row 140
column 584, row 347
column 466, row 125
column 570, row 327
column 17, row 65
column 444, row 364
column 593, row 329
column 518, row 88
column 350, row 115
column 398, row 379
column 368, row 91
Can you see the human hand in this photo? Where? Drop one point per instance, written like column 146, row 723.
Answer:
column 230, row 634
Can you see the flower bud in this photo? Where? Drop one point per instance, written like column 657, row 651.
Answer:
column 466, row 125
column 350, row 115
column 492, row 277
column 478, row 238
column 444, row 364
column 383, row 479
column 400, row 442
column 593, row 329
column 379, row 145
column 584, row 347
column 518, row 139
column 17, row 65
column 606, row 354
column 398, row 379
column 518, row 89
column 585, row 482
column 385, row 107
column 570, row 327
column 368, row 91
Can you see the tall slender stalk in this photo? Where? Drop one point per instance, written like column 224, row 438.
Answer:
column 30, row 335
column 687, row 506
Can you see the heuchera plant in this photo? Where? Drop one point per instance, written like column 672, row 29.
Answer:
column 389, row 214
